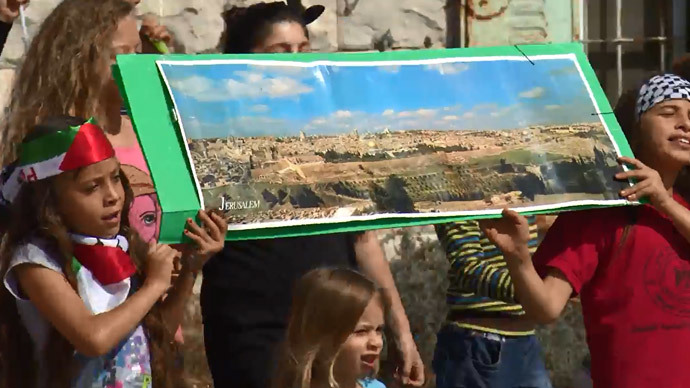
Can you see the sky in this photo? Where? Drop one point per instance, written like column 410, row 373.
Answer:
column 227, row 99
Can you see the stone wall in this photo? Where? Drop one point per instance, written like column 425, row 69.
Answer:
column 346, row 25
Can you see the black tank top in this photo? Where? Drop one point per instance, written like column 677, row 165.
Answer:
column 250, row 283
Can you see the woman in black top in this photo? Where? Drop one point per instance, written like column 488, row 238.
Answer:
column 246, row 291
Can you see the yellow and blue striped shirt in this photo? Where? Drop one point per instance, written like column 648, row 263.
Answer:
column 480, row 285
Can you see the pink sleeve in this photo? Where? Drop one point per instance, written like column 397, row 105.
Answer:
column 573, row 246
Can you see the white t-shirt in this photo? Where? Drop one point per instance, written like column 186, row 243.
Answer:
column 128, row 364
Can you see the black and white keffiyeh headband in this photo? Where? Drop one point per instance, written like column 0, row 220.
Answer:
column 661, row 88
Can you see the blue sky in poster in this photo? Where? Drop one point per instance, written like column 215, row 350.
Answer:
column 225, row 99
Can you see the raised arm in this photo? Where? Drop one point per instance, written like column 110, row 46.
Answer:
column 208, row 239
column 473, row 260
column 650, row 185
column 542, row 299
column 94, row 335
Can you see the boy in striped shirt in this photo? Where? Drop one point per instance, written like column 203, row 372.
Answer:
column 487, row 340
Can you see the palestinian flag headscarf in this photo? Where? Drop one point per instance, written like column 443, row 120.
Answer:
column 50, row 155
column 659, row 89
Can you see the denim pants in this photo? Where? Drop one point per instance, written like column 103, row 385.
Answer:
column 469, row 359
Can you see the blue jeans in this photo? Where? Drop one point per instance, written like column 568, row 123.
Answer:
column 467, row 359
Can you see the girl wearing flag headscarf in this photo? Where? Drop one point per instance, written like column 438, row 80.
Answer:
column 630, row 265
column 67, row 69
column 57, row 77
column 87, row 289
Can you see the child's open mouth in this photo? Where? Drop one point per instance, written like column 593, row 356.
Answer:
column 370, row 360
column 681, row 140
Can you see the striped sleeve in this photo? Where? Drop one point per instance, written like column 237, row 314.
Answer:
column 476, row 265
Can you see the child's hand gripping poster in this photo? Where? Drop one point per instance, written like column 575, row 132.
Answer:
column 299, row 144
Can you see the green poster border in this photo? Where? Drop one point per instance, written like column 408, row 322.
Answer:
column 154, row 121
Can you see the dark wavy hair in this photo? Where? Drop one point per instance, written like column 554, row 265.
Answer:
column 247, row 27
column 624, row 111
column 33, row 214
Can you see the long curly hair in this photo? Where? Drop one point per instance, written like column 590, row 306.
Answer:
column 34, row 215
column 65, row 69
column 326, row 307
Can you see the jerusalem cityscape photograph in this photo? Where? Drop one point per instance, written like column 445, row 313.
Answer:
column 277, row 142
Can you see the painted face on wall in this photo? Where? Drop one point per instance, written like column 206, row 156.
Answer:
column 144, row 216
column 145, row 213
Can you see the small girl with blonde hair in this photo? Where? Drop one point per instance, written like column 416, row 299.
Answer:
column 335, row 334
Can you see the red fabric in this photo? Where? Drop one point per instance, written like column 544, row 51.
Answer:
column 635, row 296
column 107, row 264
column 90, row 146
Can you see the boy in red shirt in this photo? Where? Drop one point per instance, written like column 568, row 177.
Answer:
column 630, row 265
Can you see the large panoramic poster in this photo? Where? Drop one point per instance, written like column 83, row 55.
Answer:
column 279, row 143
